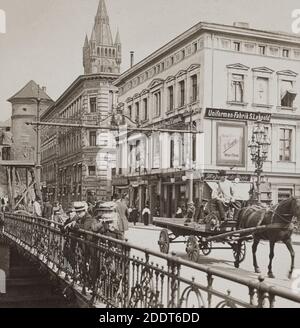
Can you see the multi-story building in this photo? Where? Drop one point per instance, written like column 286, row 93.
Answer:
column 77, row 161
column 217, row 78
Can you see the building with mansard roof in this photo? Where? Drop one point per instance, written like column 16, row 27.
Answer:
column 218, row 79
column 77, row 162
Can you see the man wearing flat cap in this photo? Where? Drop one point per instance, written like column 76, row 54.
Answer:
column 224, row 194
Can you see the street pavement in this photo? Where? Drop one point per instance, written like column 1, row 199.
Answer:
column 147, row 237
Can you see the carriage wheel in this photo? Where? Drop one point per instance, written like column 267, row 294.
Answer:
column 239, row 252
column 164, row 241
column 192, row 249
column 206, row 247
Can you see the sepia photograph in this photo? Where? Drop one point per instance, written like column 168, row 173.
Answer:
column 149, row 156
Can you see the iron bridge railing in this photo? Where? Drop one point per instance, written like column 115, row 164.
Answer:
column 117, row 274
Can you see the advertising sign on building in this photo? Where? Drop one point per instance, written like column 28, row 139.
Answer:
column 236, row 115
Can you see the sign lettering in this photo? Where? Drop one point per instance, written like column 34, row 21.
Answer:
column 226, row 114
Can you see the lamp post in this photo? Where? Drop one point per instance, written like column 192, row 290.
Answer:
column 38, row 147
column 259, row 146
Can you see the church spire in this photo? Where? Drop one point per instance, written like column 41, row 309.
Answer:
column 86, row 42
column 102, row 28
column 118, row 40
column 102, row 11
column 101, row 54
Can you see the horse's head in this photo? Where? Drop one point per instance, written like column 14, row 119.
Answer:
column 296, row 207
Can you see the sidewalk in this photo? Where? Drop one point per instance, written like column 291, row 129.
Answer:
column 143, row 227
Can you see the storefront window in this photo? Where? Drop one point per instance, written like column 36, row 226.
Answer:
column 284, row 193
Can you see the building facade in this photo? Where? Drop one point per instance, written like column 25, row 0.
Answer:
column 217, row 80
column 24, row 110
column 78, row 161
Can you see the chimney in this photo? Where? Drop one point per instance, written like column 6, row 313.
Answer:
column 131, row 58
column 241, row 24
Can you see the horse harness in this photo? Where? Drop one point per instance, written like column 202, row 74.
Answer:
column 288, row 224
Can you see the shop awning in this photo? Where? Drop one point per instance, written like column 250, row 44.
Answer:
column 241, row 189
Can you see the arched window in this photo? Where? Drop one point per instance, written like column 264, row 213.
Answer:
column 114, row 52
column 109, row 52
column 98, row 51
column 105, row 52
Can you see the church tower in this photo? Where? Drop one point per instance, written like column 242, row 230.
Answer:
column 100, row 53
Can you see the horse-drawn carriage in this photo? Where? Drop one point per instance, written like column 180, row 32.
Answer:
column 274, row 224
column 201, row 236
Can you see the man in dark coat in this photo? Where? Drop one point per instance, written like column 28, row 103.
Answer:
column 47, row 209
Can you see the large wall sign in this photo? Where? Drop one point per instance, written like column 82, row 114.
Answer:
column 230, row 144
column 236, row 115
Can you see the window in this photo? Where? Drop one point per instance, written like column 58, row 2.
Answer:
column 145, row 104
column 284, row 193
column 172, row 60
column 262, row 91
column 156, row 151
column 262, row 50
column 194, row 88
column 111, row 100
column 237, row 88
column 130, row 111
column 157, row 103
column 93, row 105
column 195, row 46
column 172, row 153
column 285, row 145
column 194, row 148
column 182, row 93
column 183, row 53
column 92, row 171
column 285, row 53
column 93, row 139
column 171, row 97
column 137, row 112
column 237, row 46
column 287, row 94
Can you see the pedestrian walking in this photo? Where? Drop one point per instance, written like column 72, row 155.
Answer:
column 135, row 215
column 37, row 208
column 146, row 215
column 123, row 214
column 48, row 209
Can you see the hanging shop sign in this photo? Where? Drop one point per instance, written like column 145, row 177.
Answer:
column 120, row 182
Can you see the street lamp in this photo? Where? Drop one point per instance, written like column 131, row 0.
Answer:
column 259, row 146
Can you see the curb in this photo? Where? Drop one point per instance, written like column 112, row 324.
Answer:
column 152, row 228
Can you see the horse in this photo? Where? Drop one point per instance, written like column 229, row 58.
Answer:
column 278, row 220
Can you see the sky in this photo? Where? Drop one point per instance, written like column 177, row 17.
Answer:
column 44, row 38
